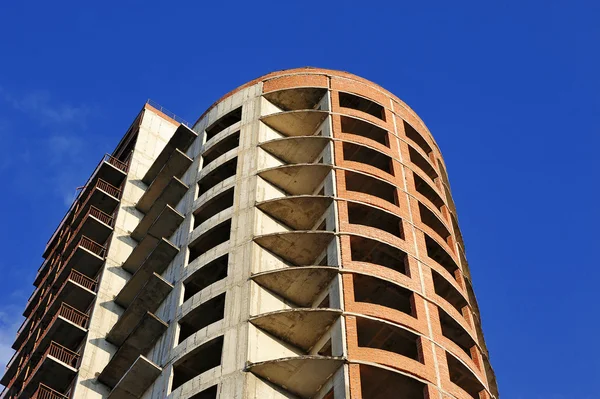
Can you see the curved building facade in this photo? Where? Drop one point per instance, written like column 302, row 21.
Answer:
column 298, row 241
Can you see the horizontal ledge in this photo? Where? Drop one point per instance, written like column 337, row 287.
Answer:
column 297, row 247
column 300, row 149
column 300, row 212
column 297, row 179
column 296, row 98
column 295, row 123
column 137, row 379
column 162, row 225
column 169, row 193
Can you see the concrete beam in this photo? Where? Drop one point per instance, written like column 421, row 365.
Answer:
column 136, row 380
column 148, row 299
column 300, row 212
column 300, row 248
column 140, row 341
column 296, row 123
column 177, row 145
column 302, row 376
column 156, row 262
column 162, row 225
column 170, row 194
column 296, row 98
column 299, row 327
column 300, row 149
column 300, row 285
column 299, row 179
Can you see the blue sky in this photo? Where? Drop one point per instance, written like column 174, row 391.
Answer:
column 510, row 90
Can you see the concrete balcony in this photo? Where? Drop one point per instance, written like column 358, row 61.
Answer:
column 161, row 223
column 158, row 195
column 56, row 369
column 171, row 161
column 301, row 328
column 302, row 375
column 302, row 149
column 45, row 392
column 300, row 248
column 148, row 299
column 137, row 379
column 300, row 212
column 112, row 170
column 298, row 179
column 140, row 341
column 95, row 225
column 296, row 98
column 296, row 123
column 67, row 328
column 145, row 248
column 299, row 285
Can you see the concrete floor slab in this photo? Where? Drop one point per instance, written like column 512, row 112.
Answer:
column 50, row 372
column 136, row 380
column 300, row 285
column 299, row 327
column 297, row 98
column 175, row 147
column 300, row 149
column 296, row 123
column 299, row 179
column 110, row 174
column 300, row 248
column 149, row 298
column 163, row 225
column 300, row 212
column 156, row 262
column 169, row 194
column 302, row 376
column 138, row 342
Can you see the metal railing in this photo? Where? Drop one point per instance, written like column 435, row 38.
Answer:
column 165, row 111
column 60, row 353
column 115, row 162
column 45, row 392
column 82, row 280
column 101, row 185
column 101, row 216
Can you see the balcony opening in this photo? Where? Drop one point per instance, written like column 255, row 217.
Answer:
column 368, row 156
column 213, row 206
column 325, row 303
column 348, row 100
column 207, row 275
column 208, row 393
column 439, row 254
column 455, row 332
column 463, row 377
column 377, row 383
column 374, row 217
column 416, row 137
column 447, row 291
column 443, row 172
column 371, row 251
column 326, row 349
column 431, row 220
column 380, row 292
column 298, row 98
column 370, row 185
column 422, row 163
column 207, row 313
column 227, row 144
column 210, row 239
column 365, row 129
column 223, row 123
column 201, row 359
column 377, row 335
column 428, row 192
column 217, row 175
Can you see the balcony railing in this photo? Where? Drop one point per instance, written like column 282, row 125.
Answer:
column 115, row 162
column 101, row 185
column 45, row 392
column 59, row 352
column 83, row 280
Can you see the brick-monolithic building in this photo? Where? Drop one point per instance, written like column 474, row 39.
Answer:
column 299, row 241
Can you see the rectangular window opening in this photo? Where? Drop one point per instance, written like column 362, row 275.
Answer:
column 455, row 332
column 416, row 137
column 422, row 163
column 362, row 104
column 227, row 144
column 216, row 176
column 210, row 239
column 223, row 123
column 204, row 315
column 378, row 335
column 431, row 220
column 463, row 377
column 369, row 185
column 365, row 129
column 374, row 217
column 208, row 393
column 380, row 292
column 378, row 383
column 428, row 192
column 213, row 206
column 447, row 291
column 365, row 155
column 376, row 252
column 196, row 362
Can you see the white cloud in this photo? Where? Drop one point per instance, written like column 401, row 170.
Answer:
column 10, row 321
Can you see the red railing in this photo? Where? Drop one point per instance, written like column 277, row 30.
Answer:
column 91, row 246
column 116, row 163
column 58, row 352
column 102, row 216
column 82, row 280
column 45, row 392
column 101, row 185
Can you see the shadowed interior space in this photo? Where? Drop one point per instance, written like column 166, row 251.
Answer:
column 380, row 292
column 297, row 98
column 419, row 161
column 365, row 129
column 447, row 291
column 223, row 123
column 427, row 191
column 208, row 393
column 210, row 239
column 227, row 144
column 439, row 254
column 348, row 100
column 213, row 206
column 378, row 383
column 463, row 377
column 372, row 251
column 431, row 220
column 217, row 175
column 209, row 312
column 374, row 217
column 369, row 185
column 378, row 335
column 455, row 332
column 196, row 362
column 416, row 137
column 208, row 274
column 360, row 153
